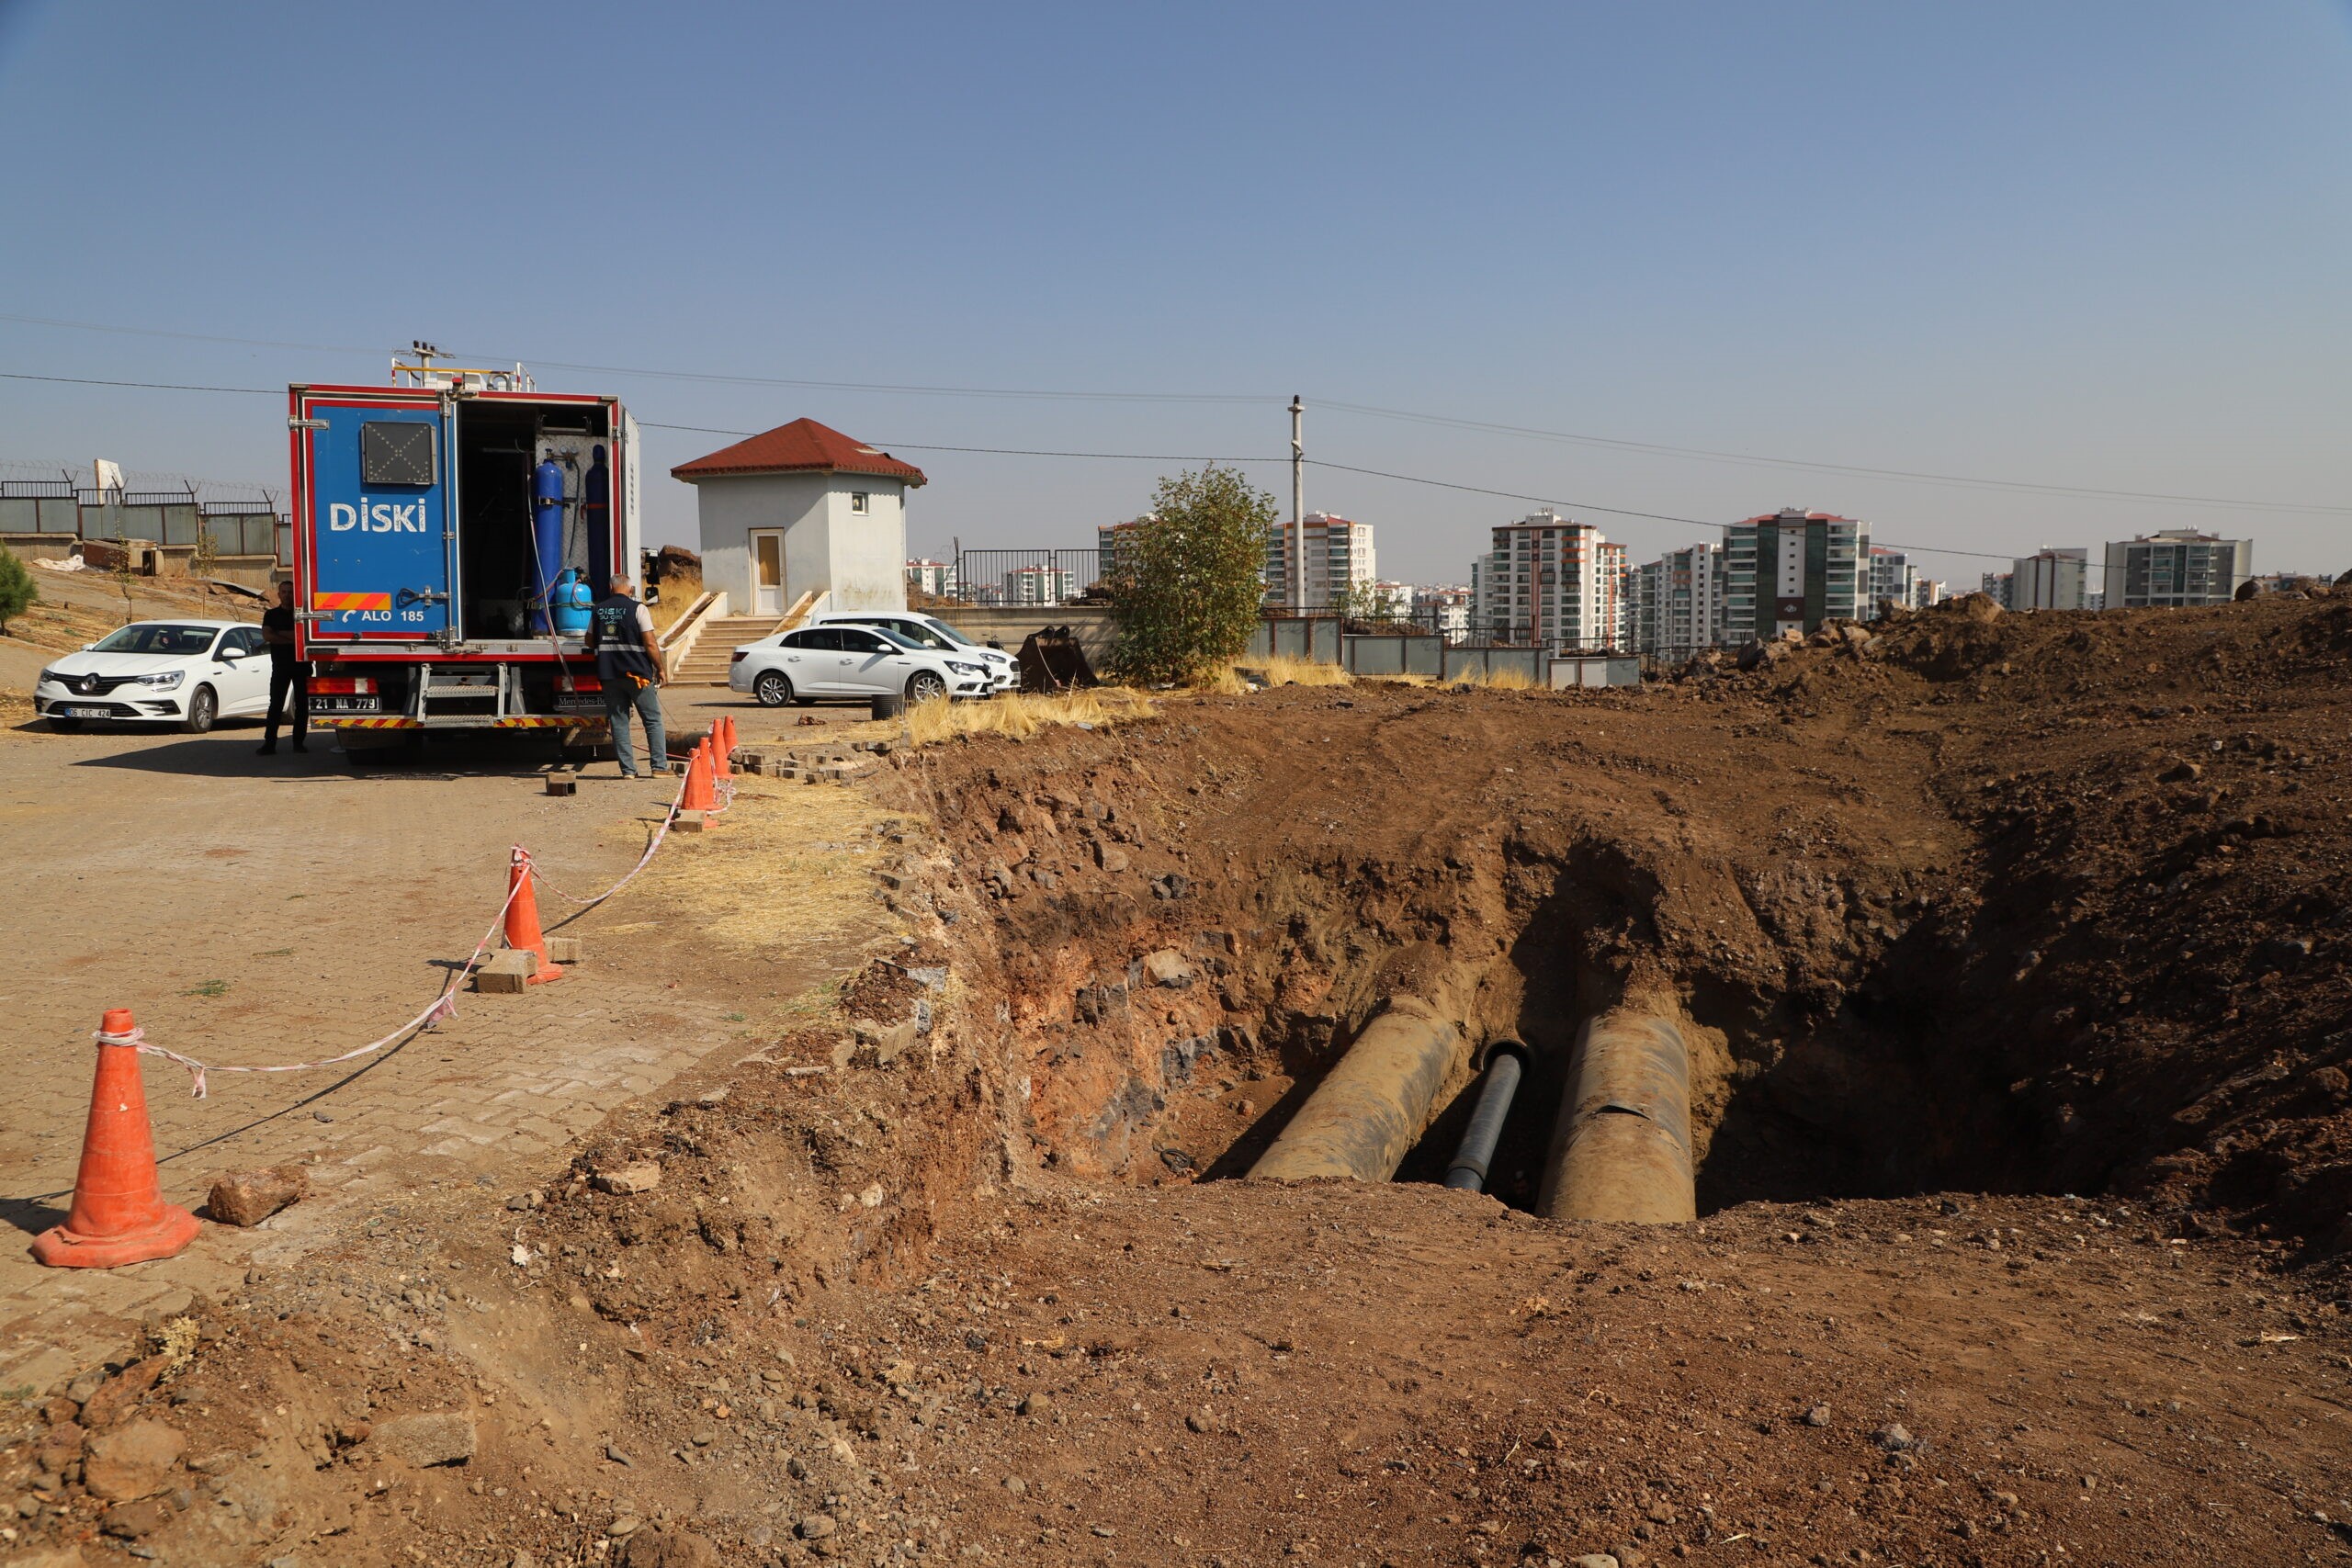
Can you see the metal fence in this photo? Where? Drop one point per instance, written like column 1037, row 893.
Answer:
column 1011, row 578
column 62, row 510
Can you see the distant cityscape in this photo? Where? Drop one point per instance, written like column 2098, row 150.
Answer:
column 1549, row 580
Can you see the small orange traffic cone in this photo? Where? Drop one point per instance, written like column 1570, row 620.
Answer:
column 700, row 795
column 718, row 749
column 119, row 1214
column 728, row 720
column 523, row 932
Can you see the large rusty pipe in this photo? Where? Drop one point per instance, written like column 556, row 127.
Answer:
column 1362, row 1118
column 1497, row 1087
column 1620, row 1149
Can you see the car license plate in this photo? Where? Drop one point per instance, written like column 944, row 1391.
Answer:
column 87, row 712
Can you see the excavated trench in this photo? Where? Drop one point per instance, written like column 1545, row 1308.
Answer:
column 1174, row 1036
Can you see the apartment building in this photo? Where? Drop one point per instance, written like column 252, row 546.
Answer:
column 1446, row 609
column 2048, row 580
column 1039, row 585
column 1678, row 601
column 1338, row 554
column 1109, row 539
column 933, row 577
column 1791, row 570
column 1894, row 579
column 2175, row 567
column 1555, row 583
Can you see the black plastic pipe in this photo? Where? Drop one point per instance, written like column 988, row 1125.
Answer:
column 1506, row 1059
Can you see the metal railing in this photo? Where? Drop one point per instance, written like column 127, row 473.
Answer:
column 1013, row 578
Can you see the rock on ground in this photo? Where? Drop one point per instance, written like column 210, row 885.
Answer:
column 425, row 1440
column 249, row 1197
column 638, row 1176
column 668, row 1549
column 134, row 1461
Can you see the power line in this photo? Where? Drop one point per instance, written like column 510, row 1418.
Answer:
column 902, row 389
column 1910, row 475
column 1509, row 494
column 151, row 386
column 1115, row 457
column 1613, row 511
column 992, row 451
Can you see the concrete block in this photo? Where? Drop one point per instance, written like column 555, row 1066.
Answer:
column 564, row 950
column 507, row 973
column 691, row 822
column 562, row 784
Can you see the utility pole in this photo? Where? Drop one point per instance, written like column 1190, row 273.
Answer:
column 1298, row 507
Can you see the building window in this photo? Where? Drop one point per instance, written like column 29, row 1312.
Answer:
column 857, row 501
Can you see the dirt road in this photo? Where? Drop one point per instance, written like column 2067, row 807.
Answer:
column 270, row 910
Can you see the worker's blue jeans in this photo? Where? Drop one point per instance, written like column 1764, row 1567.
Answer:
column 647, row 700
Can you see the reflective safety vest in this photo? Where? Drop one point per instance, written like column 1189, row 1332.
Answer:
column 620, row 645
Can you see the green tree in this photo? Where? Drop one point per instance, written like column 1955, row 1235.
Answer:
column 17, row 589
column 1189, row 581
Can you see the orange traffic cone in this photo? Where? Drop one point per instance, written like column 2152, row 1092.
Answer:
column 718, row 749
column 119, row 1214
column 523, row 932
column 728, row 720
column 700, row 795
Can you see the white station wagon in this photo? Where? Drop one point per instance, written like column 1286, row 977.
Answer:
column 856, row 663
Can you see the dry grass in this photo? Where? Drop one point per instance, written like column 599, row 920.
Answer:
column 787, row 868
column 678, row 596
column 1283, row 671
column 1508, row 680
column 1021, row 714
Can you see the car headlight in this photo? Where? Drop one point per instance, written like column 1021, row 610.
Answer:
column 49, row 677
column 162, row 683
column 962, row 669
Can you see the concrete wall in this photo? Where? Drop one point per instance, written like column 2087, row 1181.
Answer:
column 869, row 550
column 1095, row 628
column 861, row 559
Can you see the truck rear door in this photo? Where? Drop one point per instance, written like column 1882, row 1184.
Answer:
column 374, row 526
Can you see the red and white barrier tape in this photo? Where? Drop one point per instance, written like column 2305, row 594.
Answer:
column 642, row 861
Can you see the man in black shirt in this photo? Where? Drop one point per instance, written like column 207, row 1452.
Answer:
column 285, row 674
column 629, row 666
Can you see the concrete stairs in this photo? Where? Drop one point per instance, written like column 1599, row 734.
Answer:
column 706, row 664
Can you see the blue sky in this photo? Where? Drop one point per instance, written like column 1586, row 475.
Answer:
column 2100, row 245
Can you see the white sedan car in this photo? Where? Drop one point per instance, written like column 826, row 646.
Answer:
column 189, row 673
column 856, row 663
column 931, row 632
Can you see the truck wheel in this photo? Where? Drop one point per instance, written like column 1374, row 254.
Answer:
column 774, row 689
column 923, row 685
column 203, row 709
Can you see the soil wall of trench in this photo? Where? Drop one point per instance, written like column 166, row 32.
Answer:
column 1904, row 962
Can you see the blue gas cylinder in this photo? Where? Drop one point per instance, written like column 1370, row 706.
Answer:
column 547, row 518
column 572, row 600
column 596, row 518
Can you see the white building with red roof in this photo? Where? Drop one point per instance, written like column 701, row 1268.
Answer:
column 799, row 510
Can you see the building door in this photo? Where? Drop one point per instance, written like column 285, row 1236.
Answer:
column 767, row 571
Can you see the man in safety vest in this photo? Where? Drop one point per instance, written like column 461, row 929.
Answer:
column 629, row 666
